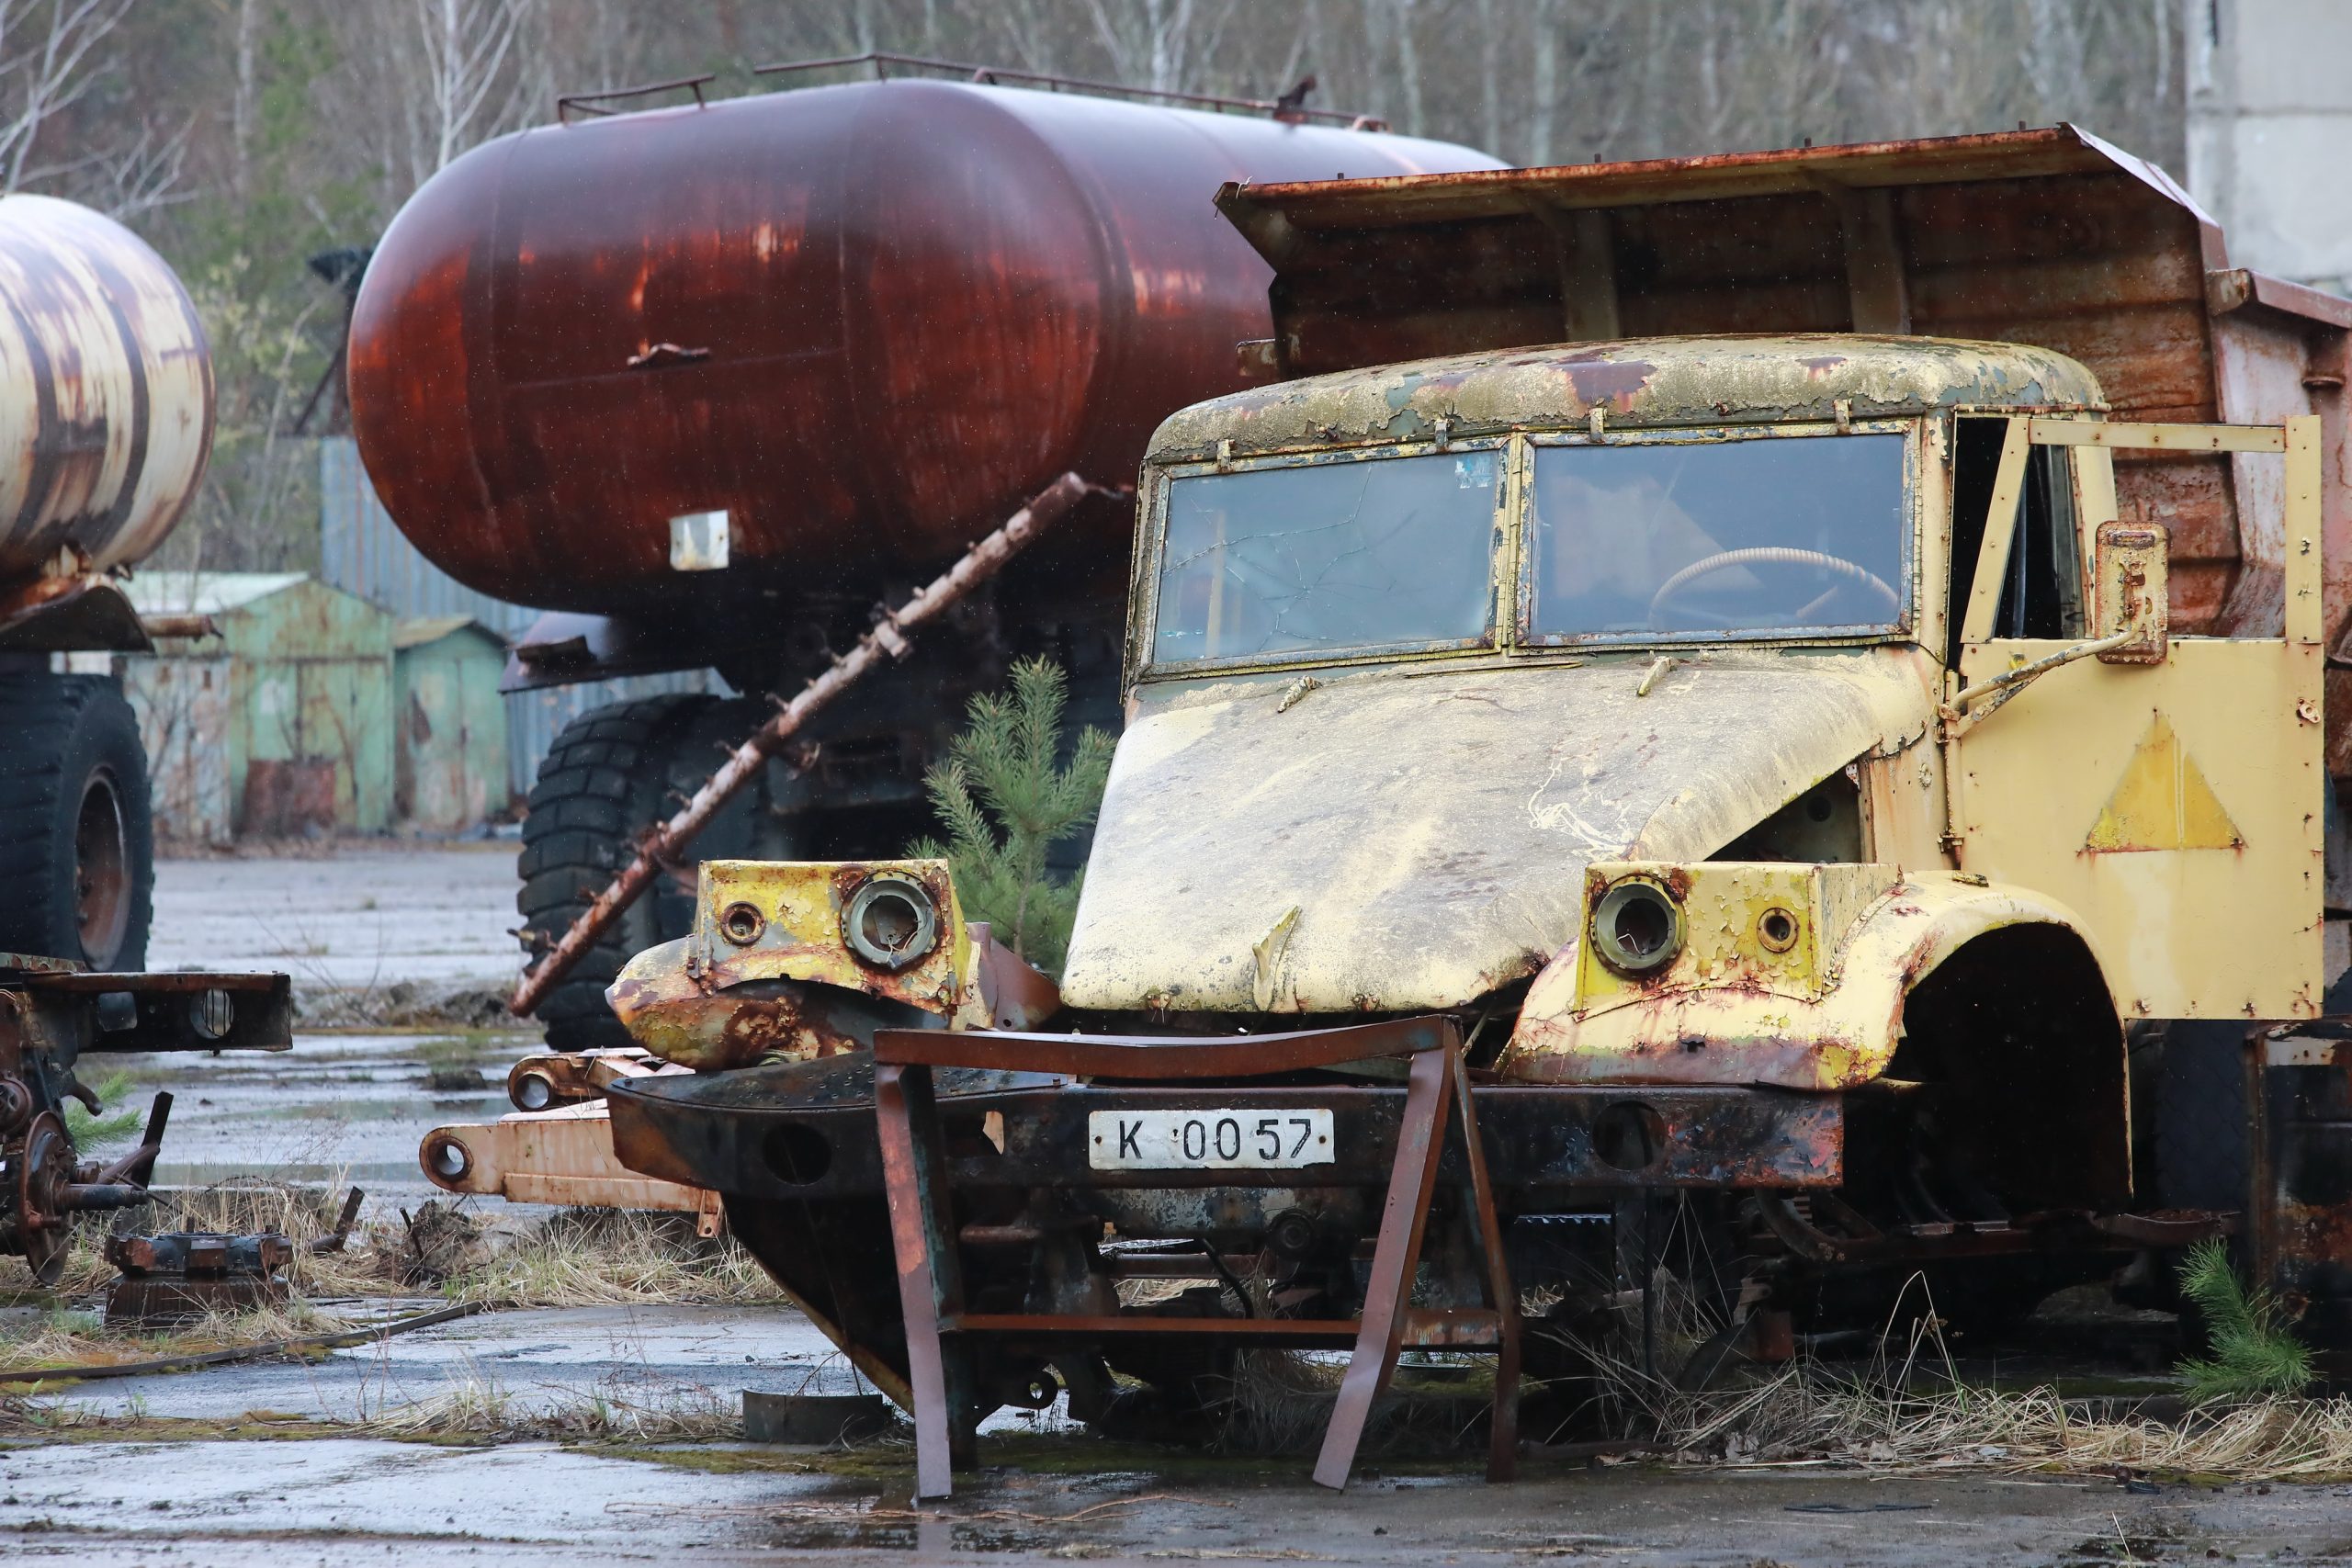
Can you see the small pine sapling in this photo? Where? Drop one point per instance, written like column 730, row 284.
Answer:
column 2254, row 1353
column 88, row 1129
column 1006, row 799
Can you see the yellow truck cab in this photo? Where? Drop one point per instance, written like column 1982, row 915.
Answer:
column 1641, row 697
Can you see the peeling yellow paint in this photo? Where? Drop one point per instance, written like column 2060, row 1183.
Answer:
column 1727, row 1014
column 1666, row 381
column 1267, row 956
column 1432, row 825
column 735, row 990
column 2162, row 802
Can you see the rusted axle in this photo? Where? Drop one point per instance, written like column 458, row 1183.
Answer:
column 887, row 639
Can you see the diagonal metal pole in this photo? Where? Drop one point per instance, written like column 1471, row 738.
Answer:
column 887, row 640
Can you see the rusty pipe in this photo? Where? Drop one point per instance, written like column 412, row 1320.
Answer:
column 887, row 639
column 171, row 624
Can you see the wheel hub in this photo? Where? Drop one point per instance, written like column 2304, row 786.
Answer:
column 36, row 1178
column 101, row 872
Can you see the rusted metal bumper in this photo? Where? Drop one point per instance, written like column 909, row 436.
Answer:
column 807, row 1131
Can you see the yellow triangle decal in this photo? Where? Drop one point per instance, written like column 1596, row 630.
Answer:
column 2162, row 802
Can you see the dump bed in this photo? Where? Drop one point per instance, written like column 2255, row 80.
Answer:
column 2047, row 237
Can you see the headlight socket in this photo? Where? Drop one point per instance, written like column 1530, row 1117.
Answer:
column 1637, row 927
column 890, row 922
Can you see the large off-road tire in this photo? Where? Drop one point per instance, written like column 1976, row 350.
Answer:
column 611, row 774
column 77, row 854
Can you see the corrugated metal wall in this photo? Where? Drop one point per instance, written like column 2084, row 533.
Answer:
column 362, row 551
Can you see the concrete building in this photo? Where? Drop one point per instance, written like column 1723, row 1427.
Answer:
column 2269, row 109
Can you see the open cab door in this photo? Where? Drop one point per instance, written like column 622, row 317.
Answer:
column 2170, row 790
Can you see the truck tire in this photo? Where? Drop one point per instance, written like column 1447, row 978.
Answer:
column 611, row 774
column 78, row 852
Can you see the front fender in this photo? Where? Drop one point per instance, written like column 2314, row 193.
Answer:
column 1826, row 1015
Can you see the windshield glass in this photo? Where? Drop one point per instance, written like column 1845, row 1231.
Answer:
column 1374, row 553
column 1752, row 535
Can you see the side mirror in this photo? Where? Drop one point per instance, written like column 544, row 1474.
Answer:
column 2131, row 592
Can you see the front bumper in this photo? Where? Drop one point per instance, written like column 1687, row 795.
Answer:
column 807, row 1131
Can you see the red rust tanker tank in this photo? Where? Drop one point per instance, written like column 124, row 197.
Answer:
column 865, row 321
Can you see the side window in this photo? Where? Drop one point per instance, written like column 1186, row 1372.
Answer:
column 2042, row 596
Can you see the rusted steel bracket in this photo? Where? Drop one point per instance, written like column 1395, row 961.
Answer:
column 2058, row 1231
column 559, row 1147
column 887, row 640
column 563, row 1156
column 939, row 1324
column 53, row 1013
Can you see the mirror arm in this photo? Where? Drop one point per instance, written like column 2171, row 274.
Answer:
column 1957, row 713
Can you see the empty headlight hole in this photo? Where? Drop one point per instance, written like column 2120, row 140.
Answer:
column 796, row 1155
column 210, row 1013
column 1037, row 1392
column 891, row 923
column 742, row 924
column 1637, row 928
column 1777, row 929
column 447, row 1160
column 1628, row 1135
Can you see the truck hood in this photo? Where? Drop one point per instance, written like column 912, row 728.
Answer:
column 1416, row 836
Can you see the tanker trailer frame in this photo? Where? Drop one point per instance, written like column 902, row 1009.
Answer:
column 54, row 1013
column 860, row 325
column 108, row 396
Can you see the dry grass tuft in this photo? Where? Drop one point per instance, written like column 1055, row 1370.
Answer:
column 478, row 1410
column 1904, row 1411
column 302, row 1213
column 65, row 1338
column 1907, row 1410
column 1279, row 1401
column 577, row 1257
column 611, row 1258
column 483, row 1409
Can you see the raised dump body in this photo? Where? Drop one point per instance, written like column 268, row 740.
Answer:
column 2046, row 237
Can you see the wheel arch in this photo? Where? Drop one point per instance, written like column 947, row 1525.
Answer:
column 2015, row 1023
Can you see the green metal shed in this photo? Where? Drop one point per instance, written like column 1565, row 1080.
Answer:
column 450, row 755
column 280, row 726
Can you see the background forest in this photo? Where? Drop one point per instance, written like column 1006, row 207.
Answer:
column 244, row 137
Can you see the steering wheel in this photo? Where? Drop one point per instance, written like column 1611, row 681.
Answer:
column 1774, row 554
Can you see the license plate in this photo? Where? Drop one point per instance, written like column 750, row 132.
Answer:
column 1208, row 1140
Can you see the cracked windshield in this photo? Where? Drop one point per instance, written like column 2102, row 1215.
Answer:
column 1739, row 536
column 1335, row 556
